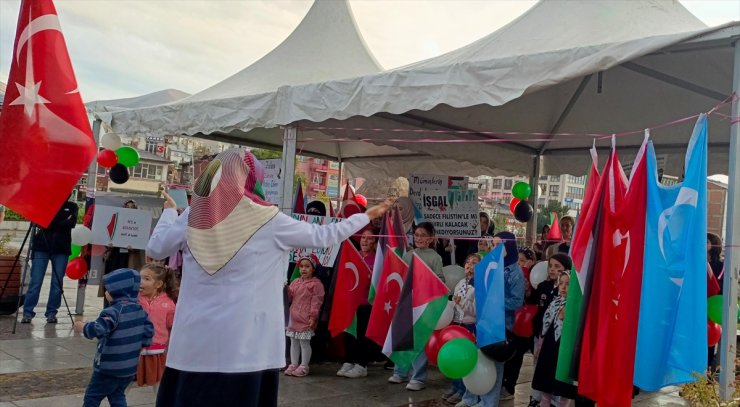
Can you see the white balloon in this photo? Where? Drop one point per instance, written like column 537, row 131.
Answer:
column 81, row 235
column 447, row 315
column 483, row 377
column 538, row 274
column 111, row 141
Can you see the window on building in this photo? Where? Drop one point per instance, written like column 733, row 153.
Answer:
column 543, row 188
column 147, row 171
column 555, row 178
column 508, row 184
column 333, row 165
column 318, row 161
column 151, row 146
column 497, row 183
column 554, row 190
column 318, row 179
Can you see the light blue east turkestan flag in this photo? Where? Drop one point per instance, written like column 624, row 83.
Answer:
column 489, row 298
column 672, row 332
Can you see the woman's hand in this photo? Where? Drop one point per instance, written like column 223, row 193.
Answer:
column 378, row 210
column 168, row 201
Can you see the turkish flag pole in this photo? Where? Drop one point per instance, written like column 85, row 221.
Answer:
column 45, row 133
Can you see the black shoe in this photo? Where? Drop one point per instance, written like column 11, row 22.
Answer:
column 26, row 320
column 52, row 320
column 389, row 365
column 533, row 402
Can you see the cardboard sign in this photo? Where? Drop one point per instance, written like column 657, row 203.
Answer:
column 453, row 212
column 273, row 180
column 326, row 255
column 121, row 227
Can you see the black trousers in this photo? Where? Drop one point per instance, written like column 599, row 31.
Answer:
column 361, row 349
column 514, row 365
column 194, row 389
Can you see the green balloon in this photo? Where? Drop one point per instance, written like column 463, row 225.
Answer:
column 457, row 358
column 714, row 309
column 128, row 156
column 521, row 190
column 76, row 250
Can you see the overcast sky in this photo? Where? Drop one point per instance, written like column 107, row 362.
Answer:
column 124, row 48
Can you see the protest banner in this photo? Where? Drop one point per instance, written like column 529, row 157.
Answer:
column 453, row 212
column 121, row 227
column 326, row 255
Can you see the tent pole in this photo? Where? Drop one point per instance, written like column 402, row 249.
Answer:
column 288, row 169
column 339, row 177
column 534, row 182
column 92, row 179
column 728, row 343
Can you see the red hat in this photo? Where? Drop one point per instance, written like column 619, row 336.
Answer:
column 361, row 200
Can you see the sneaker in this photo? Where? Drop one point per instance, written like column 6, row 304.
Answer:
column 345, row 368
column 533, row 402
column 301, row 371
column 415, row 385
column 290, row 370
column 505, row 395
column 52, row 320
column 356, row 371
column 396, row 379
column 26, row 320
column 462, row 404
column 454, row 399
column 389, row 365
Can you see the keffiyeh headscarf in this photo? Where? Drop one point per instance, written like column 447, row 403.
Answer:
column 227, row 208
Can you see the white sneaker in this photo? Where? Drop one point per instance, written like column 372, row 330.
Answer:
column 356, row 371
column 415, row 385
column 345, row 368
column 396, row 379
column 462, row 404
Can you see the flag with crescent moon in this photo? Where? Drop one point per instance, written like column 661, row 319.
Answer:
column 47, row 143
column 490, row 325
column 672, row 333
column 422, row 301
column 609, row 337
column 393, row 275
column 353, row 280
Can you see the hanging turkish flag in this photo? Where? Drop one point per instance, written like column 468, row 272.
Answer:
column 353, row 282
column 45, row 133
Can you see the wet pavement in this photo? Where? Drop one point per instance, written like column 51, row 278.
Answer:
column 49, row 365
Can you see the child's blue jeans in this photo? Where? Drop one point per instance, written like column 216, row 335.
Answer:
column 102, row 385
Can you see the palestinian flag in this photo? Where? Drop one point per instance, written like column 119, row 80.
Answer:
column 422, row 301
column 353, row 278
column 583, row 252
column 391, row 235
column 394, row 271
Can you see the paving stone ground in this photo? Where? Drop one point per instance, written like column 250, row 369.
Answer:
column 49, row 365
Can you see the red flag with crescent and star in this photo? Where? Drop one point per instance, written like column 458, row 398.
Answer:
column 353, row 281
column 392, row 276
column 47, row 143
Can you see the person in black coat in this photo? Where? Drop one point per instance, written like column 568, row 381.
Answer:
column 52, row 243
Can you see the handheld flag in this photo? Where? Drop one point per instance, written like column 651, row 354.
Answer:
column 47, row 143
column 489, row 298
column 422, row 301
column 392, row 276
column 393, row 236
column 353, row 279
column 554, row 234
column 299, row 204
column 672, row 334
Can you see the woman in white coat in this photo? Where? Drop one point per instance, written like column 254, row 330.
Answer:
column 227, row 342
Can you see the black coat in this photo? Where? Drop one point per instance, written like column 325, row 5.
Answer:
column 57, row 238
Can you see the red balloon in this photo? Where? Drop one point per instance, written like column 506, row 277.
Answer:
column 513, row 204
column 714, row 332
column 432, row 347
column 77, row 268
column 451, row 332
column 361, row 200
column 107, row 158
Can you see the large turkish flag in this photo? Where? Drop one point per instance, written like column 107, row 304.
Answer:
column 44, row 130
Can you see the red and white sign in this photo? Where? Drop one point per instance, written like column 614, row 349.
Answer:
column 121, row 227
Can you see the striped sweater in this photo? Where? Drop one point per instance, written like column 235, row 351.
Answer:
column 123, row 328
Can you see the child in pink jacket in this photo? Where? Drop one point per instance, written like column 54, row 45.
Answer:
column 305, row 294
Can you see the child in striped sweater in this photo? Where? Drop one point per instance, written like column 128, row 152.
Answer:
column 122, row 329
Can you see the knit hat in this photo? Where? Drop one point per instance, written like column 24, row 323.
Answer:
column 311, row 259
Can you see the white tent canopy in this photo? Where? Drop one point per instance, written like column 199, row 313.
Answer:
column 150, row 99
column 562, row 67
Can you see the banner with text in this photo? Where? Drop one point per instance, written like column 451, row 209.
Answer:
column 326, row 255
column 454, row 213
column 273, row 180
column 121, row 227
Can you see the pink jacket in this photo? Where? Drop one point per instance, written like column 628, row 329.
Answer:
column 161, row 311
column 305, row 297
